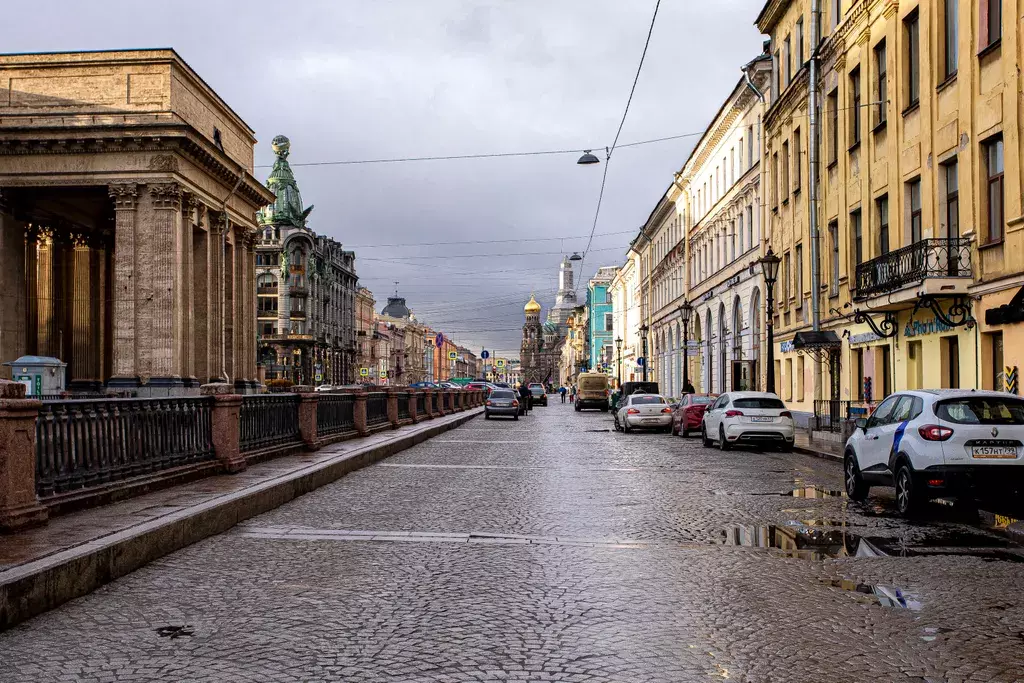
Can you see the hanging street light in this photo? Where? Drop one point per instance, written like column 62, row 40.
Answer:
column 588, row 158
column 575, row 256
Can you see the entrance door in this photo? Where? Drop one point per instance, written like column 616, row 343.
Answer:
column 743, row 375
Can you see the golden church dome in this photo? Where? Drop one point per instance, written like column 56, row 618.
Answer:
column 532, row 306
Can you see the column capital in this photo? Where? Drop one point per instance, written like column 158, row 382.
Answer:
column 165, row 195
column 125, row 195
column 218, row 220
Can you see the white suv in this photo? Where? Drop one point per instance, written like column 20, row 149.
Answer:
column 931, row 444
column 748, row 417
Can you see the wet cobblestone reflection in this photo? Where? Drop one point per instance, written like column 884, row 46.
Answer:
column 550, row 550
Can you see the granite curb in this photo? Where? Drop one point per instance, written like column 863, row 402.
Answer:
column 39, row 585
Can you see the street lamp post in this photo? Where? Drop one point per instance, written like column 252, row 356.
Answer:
column 770, row 267
column 685, row 312
column 618, row 351
column 643, row 338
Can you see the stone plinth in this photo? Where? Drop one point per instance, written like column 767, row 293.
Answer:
column 412, row 405
column 227, row 407
column 393, row 408
column 307, row 419
column 19, row 507
column 359, row 413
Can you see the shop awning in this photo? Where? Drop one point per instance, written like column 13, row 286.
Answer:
column 816, row 340
column 1012, row 312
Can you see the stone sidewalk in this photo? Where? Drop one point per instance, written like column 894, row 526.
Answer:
column 44, row 567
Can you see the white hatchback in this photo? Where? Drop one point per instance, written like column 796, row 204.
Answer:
column 748, row 418
column 932, row 444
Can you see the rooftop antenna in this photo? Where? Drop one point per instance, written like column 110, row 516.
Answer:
column 396, row 288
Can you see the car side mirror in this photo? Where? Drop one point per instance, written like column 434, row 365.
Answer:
column 862, row 423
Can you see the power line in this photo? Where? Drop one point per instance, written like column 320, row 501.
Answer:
column 521, row 239
column 484, row 255
column 622, row 122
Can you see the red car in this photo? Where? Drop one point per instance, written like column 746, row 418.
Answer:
column 690, row 412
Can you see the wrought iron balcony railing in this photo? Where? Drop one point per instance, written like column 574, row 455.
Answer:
column 928, row 258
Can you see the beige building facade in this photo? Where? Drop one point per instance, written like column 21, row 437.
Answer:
column 127, row 222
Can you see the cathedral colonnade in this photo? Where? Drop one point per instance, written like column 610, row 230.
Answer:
column 127, row 223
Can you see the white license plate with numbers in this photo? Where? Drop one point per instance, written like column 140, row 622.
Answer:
column 994, row 452
column 761, row 419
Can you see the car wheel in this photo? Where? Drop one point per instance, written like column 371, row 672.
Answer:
column 705, row 441
column 625, row 427
column 577, row 407
column 487, row 416
column 722, row 443
column 786, row 447
column 674, row 429
column 856, row 489
column 684, row 432
column 908, row 499
column 516, row 416
column 604, row 409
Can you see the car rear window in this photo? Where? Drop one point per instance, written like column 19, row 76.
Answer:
column 646, row 400
column 537, row 390
column 701, row 400
column 502, row 393
column 769, row 403
column 987, row 410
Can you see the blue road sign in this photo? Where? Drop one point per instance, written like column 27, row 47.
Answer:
column 641, row 361
column 440, row 340
column 485, row 354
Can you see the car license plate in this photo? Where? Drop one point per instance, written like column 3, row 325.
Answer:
column 650, row 419
column 761, row 419
column 995, row 452
column 503, row 404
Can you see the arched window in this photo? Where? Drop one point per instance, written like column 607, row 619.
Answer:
column 737, row 326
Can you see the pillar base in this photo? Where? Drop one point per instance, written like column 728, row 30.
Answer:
column 23, row 517
column 162, row 386
column 85, row 385
column 123, row 383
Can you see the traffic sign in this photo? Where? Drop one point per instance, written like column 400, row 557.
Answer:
column 500, row 363
column 383, row 374
column 319, row 377
column 440, row 340
column 364, row 372
column 453, row 355
column 641, row 361
column 485, row 354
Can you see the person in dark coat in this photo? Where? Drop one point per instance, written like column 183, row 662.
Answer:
column 525, row 397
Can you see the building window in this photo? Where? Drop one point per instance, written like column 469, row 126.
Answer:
column 786, row 275
column 833, row 126
column 750, row 146
column 915, row 366
column 914, row 200
column 991, row 22
column 799, row 377
column 912, row 39
column 949, row 47
column 949, row 173
column 886, row 368
column 821, row 30
column 996, row 370
column 775, row 180
column 788, row 382
column 799, row 276
column 739, row 232
column 857, row 237
column 855, row 106
column 799, row 43
column 834, row 14
column 883, row 223
column 881, row 91
column 858, row 374
column 785, row 172
column 732, row 240
column 776, row 76
column 750, row 226
column 608, row 322
column 950, row 362
column 787, row 73
column 833, row 234
column 796, row 160
column 993, row 156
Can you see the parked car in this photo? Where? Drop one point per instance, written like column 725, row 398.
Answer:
column 748, row 417
column 481, row 385
column 592, row 391
column 502, row 402
column 325, row 387
column 643, row 411
column 937, row 443
column 689, row 412
column 423, row 385
column 539, row 393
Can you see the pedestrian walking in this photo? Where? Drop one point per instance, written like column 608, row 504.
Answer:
column 688, row 389
column 526, row 398
column 561, row 390
column 572, row 393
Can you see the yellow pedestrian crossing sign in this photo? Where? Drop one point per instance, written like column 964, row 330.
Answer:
column 364, row 372
column 500, row 363
column 383, row 374
column 453, row 355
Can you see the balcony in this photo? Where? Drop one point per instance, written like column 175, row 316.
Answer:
column 941, row 265
column 298, row 314
column 266, row 290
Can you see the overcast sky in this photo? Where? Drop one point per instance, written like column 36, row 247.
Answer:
column 362, row 79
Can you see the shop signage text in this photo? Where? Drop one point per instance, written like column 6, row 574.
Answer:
column 916, row 329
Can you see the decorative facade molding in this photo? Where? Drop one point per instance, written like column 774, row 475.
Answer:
column 165, row 195
column 125, row 196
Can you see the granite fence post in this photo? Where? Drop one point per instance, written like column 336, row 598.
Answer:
column 224, row 425
column 19, row 507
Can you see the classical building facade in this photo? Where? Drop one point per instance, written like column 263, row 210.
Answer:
column 627, row 316
column 600, row 321
column 127, row 222
column 920, row 222
column 365, row 317
column 306, row 289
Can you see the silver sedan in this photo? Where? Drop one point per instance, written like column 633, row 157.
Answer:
column 644, row 411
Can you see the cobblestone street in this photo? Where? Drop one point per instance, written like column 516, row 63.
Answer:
column 555, row 549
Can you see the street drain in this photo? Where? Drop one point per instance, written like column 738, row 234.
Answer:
column 173, row 632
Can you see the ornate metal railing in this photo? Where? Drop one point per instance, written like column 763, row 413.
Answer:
column 403, row 406
column 421, row 404
column 334, row 413
column 268, row 420
column 933, row 257
column 376, row 408
column 435, row 402
column 83, row 443
column 829, row 415
column 447, row 401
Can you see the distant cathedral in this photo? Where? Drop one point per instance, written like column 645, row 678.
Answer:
column 542, row 343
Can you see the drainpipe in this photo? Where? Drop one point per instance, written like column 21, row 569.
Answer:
column 812, row 195
column 224, row 238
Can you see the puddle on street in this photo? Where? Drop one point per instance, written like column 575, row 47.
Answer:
column 815, row 492
column 877, row 594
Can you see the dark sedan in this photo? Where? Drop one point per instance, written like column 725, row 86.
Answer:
column 540, row 394
column 502, row 402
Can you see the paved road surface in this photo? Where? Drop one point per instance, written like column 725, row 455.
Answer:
column 551, row 549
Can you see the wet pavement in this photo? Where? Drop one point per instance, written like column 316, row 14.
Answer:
column 552, row 549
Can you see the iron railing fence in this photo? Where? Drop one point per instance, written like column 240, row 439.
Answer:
column 376, row 408
column 84, row 443
column 268, row 420
column 829, row 415
column 421, row 404
column 335, row 413
column 932, row 257
column 403, row 406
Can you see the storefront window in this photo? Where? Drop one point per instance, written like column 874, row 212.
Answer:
column 996, row 372
column 950, row 362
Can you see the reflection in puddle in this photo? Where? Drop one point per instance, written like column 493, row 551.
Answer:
column 810, row 540
column 815, row 492
column 886, row 596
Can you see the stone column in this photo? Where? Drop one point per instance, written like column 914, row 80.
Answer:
column 230, row 312
column 307, row 419
column 218, row 224
column 31, row 290
column 187, row 296
column 359, row 413
column 413, row 393
column 84, row 365
column 428, row 403
column 162, row 262
column 47, row 275
column 201, row 296
column 12, row 285
column 392, row 407
column 125, row 370
column 19, row 507
column 227, row 407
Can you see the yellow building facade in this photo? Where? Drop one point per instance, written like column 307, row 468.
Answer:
column 920, row 232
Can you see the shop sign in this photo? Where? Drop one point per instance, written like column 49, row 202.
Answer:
column 864, row 338
column 786, row 347
column 915, row 328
